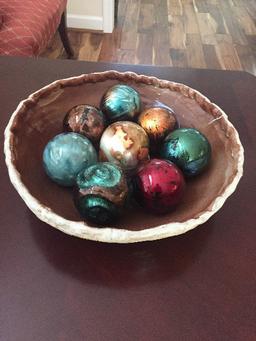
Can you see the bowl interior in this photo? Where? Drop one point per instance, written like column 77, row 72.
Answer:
column 41, row 118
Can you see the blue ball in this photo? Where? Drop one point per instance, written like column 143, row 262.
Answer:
column 121, row 103
column 66, row 155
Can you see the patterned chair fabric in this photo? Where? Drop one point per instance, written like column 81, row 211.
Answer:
column 27, row 26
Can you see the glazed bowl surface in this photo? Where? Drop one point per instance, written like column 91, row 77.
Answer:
column 40, row 117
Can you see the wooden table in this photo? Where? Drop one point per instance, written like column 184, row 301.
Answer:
column 198, row 286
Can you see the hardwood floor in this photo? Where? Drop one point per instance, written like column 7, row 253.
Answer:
column 216, row 34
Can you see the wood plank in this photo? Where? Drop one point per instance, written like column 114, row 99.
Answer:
column 144, row 51
column 178, row 57
column 195, row 53
column 216, row 14
column 247, row 59
column 130, row 26
column 177, row 33
column 125, row 56
column 201, row 6
column 146, row 18
column 161, row 34
column 161, row 11
column 175, row 7
column 244, row 20
column 226, row 53
column 251, row 7
column 122, row 7
column 191, row 24
column 187, row 2
column 55, row 49
column 161, row 48
column 237, row 34
column 252, row 44
column 213, row 2
column 75, row 37
column 109, row 47
column 211, row 58
column 90, row 47
column 207, row 28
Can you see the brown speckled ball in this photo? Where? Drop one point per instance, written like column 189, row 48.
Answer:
column 86, row 120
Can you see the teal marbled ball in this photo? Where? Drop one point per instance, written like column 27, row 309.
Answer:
column 101, row 192
column 188, row 149
column 121, row 102
column 66, row 155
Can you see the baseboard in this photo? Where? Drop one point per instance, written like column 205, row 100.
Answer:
column 85, row 22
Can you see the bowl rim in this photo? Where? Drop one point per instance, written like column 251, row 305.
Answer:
column 109, row 234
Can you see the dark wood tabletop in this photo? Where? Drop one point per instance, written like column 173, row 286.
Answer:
column 197, row 286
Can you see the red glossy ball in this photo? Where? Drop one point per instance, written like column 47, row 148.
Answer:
column 159, row 186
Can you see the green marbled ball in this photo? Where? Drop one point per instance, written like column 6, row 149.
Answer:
column 120, row 103
column 188, row 149
column 101, row 192
column 96, row 209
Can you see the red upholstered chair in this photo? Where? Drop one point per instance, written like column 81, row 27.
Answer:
column 27, row 26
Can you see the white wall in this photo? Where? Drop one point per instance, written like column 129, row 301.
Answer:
column 91, row 14
column 85, row 7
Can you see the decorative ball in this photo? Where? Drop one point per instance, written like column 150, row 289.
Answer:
column 188, row 149
column 157, row 122
column 65, row 155
column 159, row 186
column 125, row 144
column 86, row 120
column 101, row 192
column 121, row 102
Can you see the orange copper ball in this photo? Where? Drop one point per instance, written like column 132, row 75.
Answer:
column 157, row 122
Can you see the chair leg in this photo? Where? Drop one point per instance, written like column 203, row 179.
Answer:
column 116, row 11
column 64, row 36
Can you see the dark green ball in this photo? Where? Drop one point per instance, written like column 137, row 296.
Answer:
column 188, row 149
column 121, row 103
column 96, row 209
column 101, row 192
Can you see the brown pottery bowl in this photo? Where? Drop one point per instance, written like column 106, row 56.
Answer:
column 38, row 118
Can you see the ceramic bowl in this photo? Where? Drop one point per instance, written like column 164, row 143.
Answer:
column 38, row 118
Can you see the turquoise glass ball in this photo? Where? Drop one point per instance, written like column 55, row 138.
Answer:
column 121, row 102
column 188, row 149
column 101, row 192
column 65, row 155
